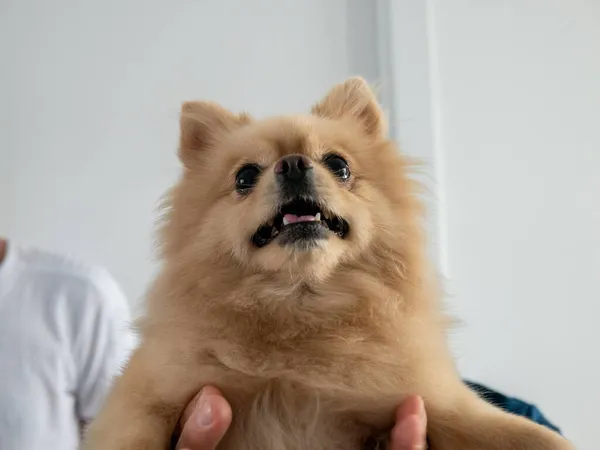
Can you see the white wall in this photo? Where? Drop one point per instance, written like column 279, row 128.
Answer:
column 519, row 106
column 411, row 97
column 91, row 92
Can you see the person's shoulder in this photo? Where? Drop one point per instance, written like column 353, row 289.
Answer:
column 74, row 277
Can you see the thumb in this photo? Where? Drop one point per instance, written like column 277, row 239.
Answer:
column 205, row 421
column 410, row 432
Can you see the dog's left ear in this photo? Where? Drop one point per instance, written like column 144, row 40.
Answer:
column 353, row 99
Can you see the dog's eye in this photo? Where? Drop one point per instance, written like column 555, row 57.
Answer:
column 246, row 178
column 338, row 166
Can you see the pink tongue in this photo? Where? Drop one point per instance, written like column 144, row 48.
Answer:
column 292, row 218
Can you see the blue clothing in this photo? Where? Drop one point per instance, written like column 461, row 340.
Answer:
column 511, row 404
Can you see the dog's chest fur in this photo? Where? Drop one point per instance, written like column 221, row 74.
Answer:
column 305, row 331
column 331, row 370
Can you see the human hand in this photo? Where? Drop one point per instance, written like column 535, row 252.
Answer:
column 204, row 421
column 410, row 430
column 208, row 416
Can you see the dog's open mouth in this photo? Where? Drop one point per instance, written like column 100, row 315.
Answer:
column 300, row 220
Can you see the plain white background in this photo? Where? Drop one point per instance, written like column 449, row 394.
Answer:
column 502, row 99
column 518, row 100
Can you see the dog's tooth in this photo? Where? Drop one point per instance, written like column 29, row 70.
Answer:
column 285, row 221
column 318, row 217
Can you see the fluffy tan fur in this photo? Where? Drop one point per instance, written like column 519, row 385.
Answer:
column 314, row 349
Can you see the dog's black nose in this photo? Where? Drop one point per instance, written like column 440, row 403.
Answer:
column 293, row 167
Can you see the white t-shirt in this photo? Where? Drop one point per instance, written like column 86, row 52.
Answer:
column 63, row 336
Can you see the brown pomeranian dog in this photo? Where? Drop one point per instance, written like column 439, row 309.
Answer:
column 295, row 280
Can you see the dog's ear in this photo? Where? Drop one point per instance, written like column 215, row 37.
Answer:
column 353, row 98
column 201, row 125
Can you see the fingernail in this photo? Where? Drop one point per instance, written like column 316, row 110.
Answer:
column 422, row 414
column 407, row 435
column 405, row 429
column 204, row 416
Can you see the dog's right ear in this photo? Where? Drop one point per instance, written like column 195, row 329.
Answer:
column 201, row 125
column 353, row 98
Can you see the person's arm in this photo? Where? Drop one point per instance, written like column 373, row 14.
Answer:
column 512, row 405
column 103, row 344
column 208, row 416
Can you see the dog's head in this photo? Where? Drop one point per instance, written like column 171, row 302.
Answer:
column 293, row 194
